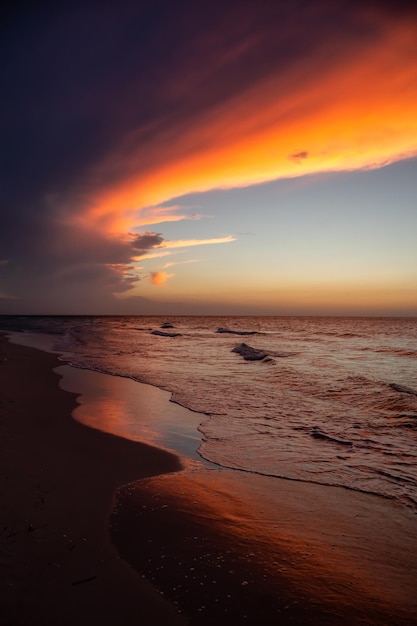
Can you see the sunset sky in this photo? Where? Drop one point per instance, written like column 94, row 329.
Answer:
column 231, row 157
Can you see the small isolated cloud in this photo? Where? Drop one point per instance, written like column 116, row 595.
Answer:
column 298, row 156
column 159, row 278
column 146, row 241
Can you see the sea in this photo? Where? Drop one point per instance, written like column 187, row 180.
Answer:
column 328, row 400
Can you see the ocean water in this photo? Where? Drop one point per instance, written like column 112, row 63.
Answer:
column 326, row 400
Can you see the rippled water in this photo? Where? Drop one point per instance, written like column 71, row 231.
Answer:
column 327, row 400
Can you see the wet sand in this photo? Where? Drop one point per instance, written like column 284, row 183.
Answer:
column 57, row 483
column 220, row 546
column 234, row 548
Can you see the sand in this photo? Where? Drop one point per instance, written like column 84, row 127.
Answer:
column 57, row 483
column 233, row 548
column 195, row 545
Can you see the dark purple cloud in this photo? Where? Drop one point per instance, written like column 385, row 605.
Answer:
column 142, row 243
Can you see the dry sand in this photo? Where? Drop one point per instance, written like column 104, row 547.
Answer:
column 57, row 483
column 224, row 546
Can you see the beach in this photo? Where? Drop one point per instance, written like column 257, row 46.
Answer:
column 96, row 528
column 58, row 480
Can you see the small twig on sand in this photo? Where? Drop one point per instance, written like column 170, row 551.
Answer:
column 84, row 580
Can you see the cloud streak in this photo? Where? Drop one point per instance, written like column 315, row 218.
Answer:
column 166, row 265
column 188, row 243
column 154, row 241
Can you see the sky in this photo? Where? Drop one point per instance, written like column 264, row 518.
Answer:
column 233, row 157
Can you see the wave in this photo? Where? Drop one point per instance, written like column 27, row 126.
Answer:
column 255, row 354
column 404, row 352
column 403, row 498
column 339, row 334
column 249, row 353
column 403, row 389
column 318, row 434
column 237, row 332
column 161, row 333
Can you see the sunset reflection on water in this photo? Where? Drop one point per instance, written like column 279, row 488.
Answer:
column 133, row 410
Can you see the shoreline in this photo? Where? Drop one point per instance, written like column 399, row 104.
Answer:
column 58, row 481
column 222, row 546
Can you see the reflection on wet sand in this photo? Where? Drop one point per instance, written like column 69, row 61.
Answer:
column 131, row 409
column 236, row 548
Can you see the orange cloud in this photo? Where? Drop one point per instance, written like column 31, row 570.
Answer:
column 159, row 278
column 342, row 108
